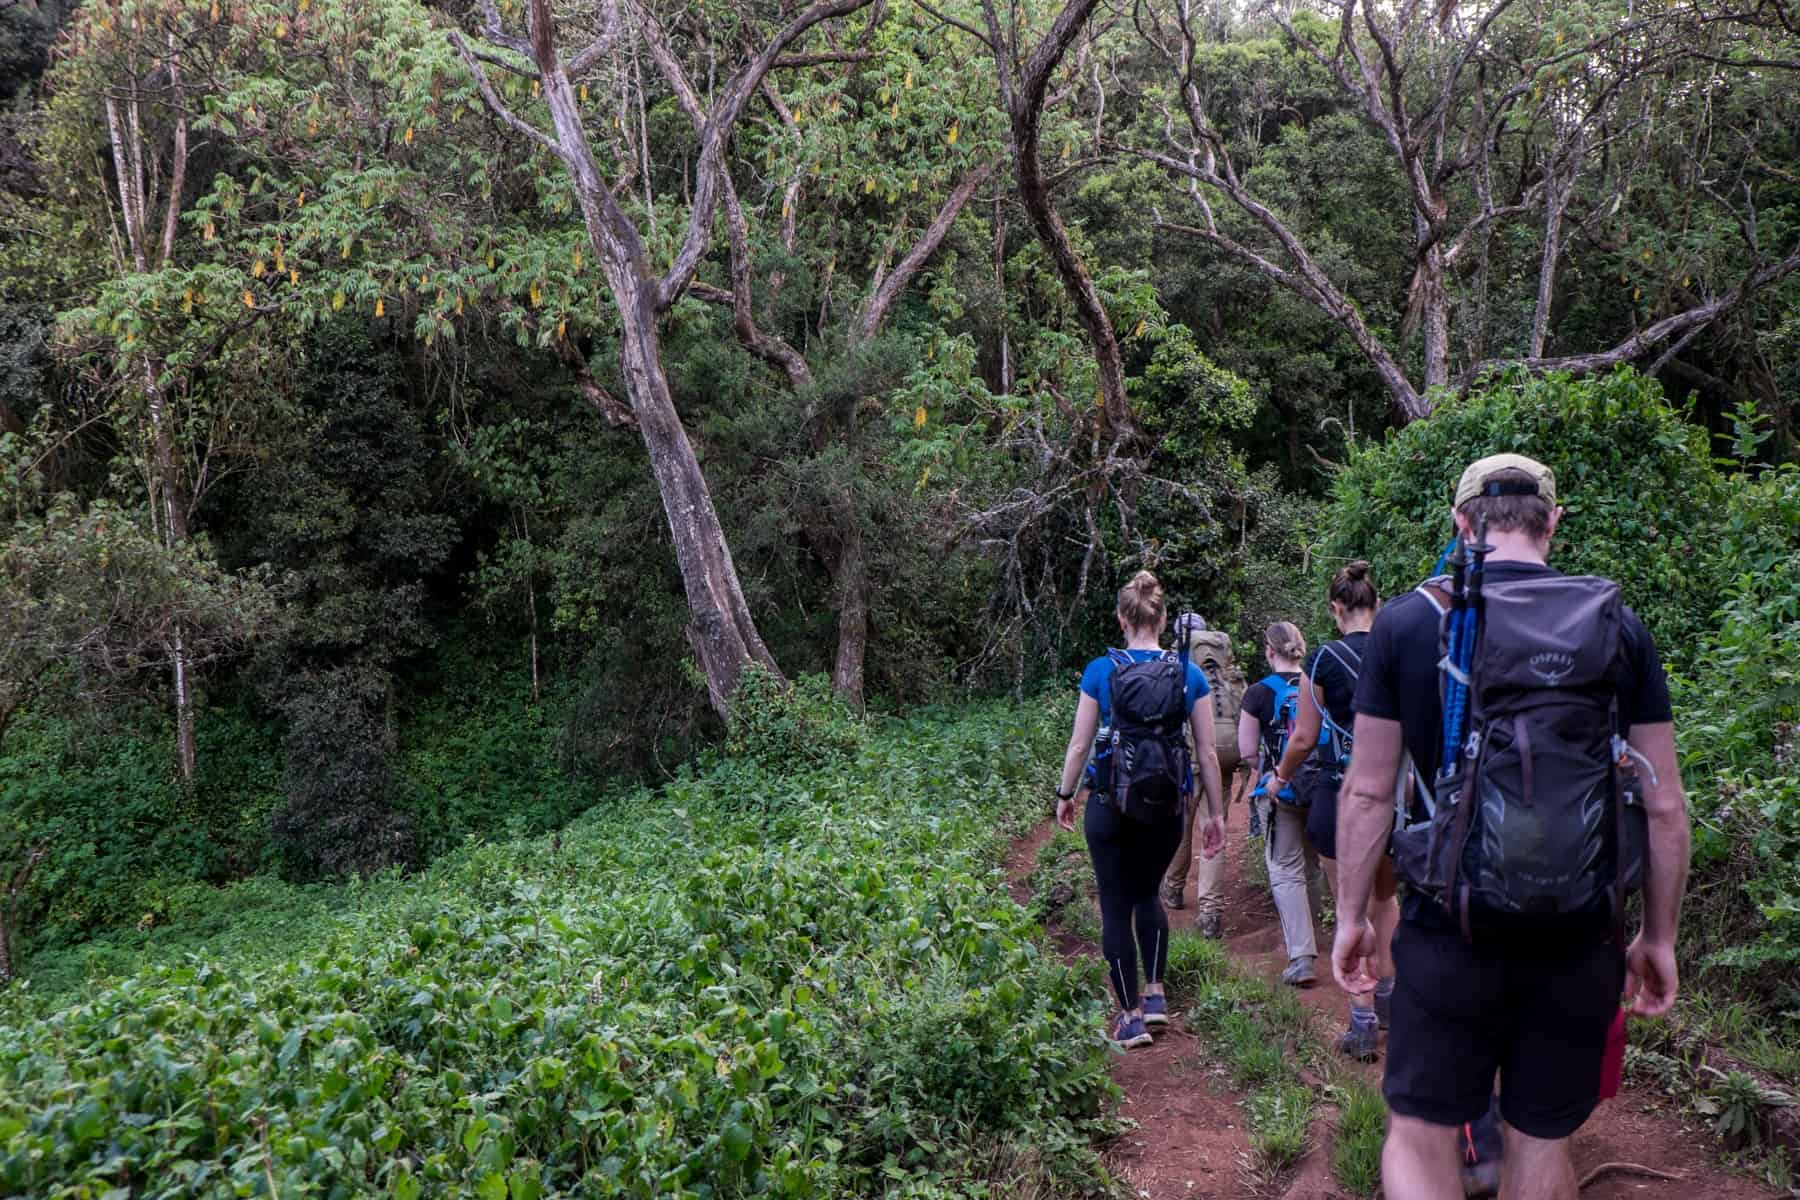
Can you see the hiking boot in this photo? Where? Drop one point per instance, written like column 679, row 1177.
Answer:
column 1156, row 1011
column 1127, row 1031
column 1300, row 972
column 1481, row 1179
column 1211, row 925
column 1172, row 897
column 1361, row 1041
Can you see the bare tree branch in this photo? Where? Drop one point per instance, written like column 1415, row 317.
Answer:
column 1652, row 335
column 875, row 313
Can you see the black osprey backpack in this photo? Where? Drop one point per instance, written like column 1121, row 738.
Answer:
column 1533, row 817
column 1151, row 765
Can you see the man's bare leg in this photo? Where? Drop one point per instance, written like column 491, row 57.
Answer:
column 1420, row 1161
column 1536, row 1169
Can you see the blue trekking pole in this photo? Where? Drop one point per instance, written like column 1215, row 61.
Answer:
column 1465, row 626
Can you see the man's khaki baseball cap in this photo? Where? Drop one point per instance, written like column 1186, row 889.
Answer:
column 1478, row 473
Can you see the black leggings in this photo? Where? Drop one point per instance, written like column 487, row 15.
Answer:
column 1129, row 860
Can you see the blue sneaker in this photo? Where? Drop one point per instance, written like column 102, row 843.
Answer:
column 1127, row 1031
column 1156, row 1011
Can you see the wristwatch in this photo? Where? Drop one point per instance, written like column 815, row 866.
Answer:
column 1062, row 795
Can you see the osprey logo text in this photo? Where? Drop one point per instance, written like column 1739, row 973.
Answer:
column 1552, row 666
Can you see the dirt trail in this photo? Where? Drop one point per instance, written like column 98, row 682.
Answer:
column 1191, row 1144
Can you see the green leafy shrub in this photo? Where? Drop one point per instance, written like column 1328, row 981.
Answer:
column 1737, row 713
column 125, row 844
column 802, row 724
column 832, row 998
column 1645, row 501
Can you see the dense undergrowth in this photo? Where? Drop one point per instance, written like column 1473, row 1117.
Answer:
column 747, row 982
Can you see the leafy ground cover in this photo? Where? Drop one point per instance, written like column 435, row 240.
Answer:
column 748, row 982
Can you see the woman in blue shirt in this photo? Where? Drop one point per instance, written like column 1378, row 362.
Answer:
column 1130, row 855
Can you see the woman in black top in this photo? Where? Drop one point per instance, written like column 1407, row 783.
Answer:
column 1316, row 755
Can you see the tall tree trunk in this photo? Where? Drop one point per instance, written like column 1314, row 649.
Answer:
column 1436, row 320
column 169, row 503
column 851, row 581
column 720, row 630
column 134, row 169
column 1023, row 92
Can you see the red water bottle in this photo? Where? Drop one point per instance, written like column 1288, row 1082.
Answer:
column 1612, row 1064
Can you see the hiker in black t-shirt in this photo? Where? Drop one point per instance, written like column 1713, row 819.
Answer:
column 1316, row 756
column 1531, row 998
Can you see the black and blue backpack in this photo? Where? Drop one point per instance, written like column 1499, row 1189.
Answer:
column 1287, row 704
column 1149, row 766
column 1335, row 742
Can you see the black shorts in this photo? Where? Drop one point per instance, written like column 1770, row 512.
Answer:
column 1539, row 1016
column 1318, row 790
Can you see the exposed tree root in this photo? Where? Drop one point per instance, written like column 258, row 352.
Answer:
column 1627, row 1168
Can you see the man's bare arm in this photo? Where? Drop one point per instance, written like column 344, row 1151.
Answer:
column 1665, row 804
column 1365, row 808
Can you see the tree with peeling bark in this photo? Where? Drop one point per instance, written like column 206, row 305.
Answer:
column 723, row 633
column 1504, row 119
column 1025, row 74
column 950, row 164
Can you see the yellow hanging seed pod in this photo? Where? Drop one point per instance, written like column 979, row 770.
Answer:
column 490, row 260
column 409, row 135
column 280, row 259
column 536, row 295
column 1139, row 331
column 249, row 300
column 584, row 93
column 207, row 233
column 302, row 202
column 576, row 258
column 281, row 29
column 215, row 10
column 256, row 272
column 955, row 132
column 293, row 277
column 380, row 308
column 919, row 418
column 534, row 89
column 909, row 78
column 915, row 186
column 459, row 305
column 868, row 186
column 312, row 127
column 337, row 300
column 345, row 253
column 560, row 326
column 894, row 109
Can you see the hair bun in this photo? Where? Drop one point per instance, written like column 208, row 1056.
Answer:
column 1358, row 569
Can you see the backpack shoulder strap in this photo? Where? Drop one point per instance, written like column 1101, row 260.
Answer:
column 1120, row 658
column 1337, row 650
column 1436, row 591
